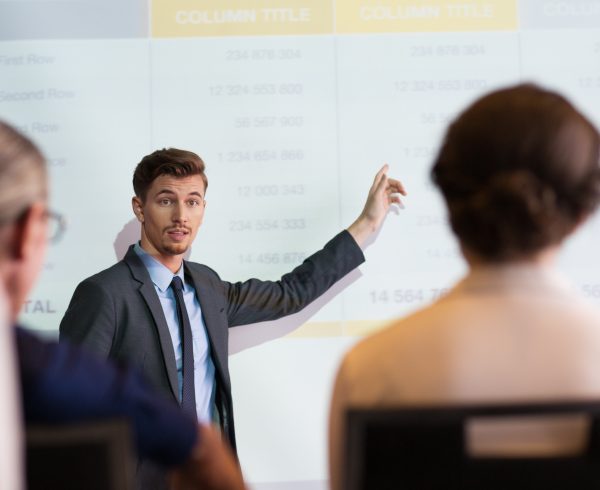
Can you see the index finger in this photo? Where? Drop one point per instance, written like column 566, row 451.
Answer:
column 382, row 171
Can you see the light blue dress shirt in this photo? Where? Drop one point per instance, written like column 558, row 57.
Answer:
column 204, row 369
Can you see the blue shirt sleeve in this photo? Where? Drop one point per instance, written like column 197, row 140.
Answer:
column 61, row 384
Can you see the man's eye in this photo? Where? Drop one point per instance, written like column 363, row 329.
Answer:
column 165, row 202
column 194, row 202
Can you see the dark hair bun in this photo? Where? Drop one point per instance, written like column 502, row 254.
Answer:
column 519, row 169
column 486, row 221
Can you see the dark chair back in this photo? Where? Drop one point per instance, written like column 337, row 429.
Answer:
column 426, row 449
column 91, row 456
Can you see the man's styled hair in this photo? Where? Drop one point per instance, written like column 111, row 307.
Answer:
column 519, row 169
column 168, row 161
column 23, row 175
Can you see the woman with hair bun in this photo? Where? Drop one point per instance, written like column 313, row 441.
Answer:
column 519, row 171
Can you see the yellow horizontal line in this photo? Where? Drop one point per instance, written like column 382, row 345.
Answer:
column 351, row 328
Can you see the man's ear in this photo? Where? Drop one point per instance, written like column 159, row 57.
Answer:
column 29, row 232
column 138, row 210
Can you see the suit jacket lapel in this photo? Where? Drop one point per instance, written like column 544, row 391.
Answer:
column 140, row 274
column 212, row 313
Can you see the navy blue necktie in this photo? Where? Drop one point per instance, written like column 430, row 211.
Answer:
column 188, row 397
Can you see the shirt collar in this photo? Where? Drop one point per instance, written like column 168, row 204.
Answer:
column 160, row 275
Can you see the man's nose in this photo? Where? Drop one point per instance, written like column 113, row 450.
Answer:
column 180, row 213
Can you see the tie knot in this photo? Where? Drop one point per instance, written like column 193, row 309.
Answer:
column 177, row 284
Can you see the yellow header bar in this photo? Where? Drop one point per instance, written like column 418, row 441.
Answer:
column 200, row 18
column 379, row 16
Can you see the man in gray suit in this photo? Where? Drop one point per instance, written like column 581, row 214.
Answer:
column 133, row 310
column 60, row 384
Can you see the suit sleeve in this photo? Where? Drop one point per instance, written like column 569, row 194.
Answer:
column 62, row 384
column 254, row 300
column 90, row 319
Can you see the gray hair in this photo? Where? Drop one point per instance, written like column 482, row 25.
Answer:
column 23, row 175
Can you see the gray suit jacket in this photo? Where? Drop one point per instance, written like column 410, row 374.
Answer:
column 116, row 313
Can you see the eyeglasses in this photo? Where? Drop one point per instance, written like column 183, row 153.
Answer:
column 57, row 224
